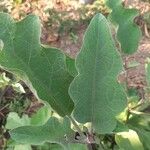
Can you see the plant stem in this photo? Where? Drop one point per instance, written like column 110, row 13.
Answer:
column 101, row 145
column 77, row 127
column 89, row 146
column 126, row 72
column 4, row 91
column 84, row 139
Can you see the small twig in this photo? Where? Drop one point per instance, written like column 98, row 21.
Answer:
column 2, row 114
column 128, row 115
column 125, row 3
column 4, row 107
column 4, row 92
column 90, row 140
column 146, row 31
column 138, row 105
column 138, row 113
column 126, row 72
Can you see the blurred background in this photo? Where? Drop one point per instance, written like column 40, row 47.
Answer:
column 64, row 21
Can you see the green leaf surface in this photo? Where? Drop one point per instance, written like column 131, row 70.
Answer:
column 22, row 147
column 14, row 121
column 144, row 136
column 141, row 124
column 54, row 131
column 41, row 116
column 59, row 147
column 97, row 95
column 48, row 146
column 71, row 66
column 129, row 140
column 128, row 32
column 142, row 121
column 78, row 147
column 44, row 67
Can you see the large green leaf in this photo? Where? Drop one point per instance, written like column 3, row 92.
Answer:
column 97, row 95
column 44, row 67
column 54, row 131
column 128, row 33
column 129, row 140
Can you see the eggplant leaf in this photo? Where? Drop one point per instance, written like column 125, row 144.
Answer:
column 43, row 69
column 97, row 95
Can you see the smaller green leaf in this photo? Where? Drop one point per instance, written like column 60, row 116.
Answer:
column 14, row 121
column 141, row 124
column 144, row 137
column 54, row 131
column 129, row 140
column 128, row 33
column 42, row 115
column 138, row 121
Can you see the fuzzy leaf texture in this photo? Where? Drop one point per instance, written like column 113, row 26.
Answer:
column 44, row 67
column 54, row 131
column 97, row 95
column 128, row 33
